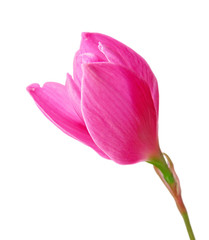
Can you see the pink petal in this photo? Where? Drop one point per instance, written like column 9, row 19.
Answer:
column 79, row 59
column 54, row 101
column 89, row 44
column 118, row 53
column 75, row 93
column 87, row 53
column 119, row 112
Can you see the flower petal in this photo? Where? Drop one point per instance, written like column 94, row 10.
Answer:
column 80, row 58
column 119, row 112
column 118, row 53
column 89, row 44
column 75, row 93
column 54, row 101
column 87, row 53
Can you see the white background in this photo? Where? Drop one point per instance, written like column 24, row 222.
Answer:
column 52, row 187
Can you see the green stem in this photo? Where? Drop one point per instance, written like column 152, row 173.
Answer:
column 184, row 214
column 167, row 174
column 188, row 225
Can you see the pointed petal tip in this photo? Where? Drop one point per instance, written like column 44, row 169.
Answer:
column 85, row 35
column 85, row 66
column 31, row 88
column 68, row 80
column 68, row 77
column 89, row 68
column 92, row 67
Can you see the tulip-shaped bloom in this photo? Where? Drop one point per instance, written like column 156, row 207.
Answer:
column 110, row 104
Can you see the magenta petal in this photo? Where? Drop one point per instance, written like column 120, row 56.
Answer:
column 118, row 53
column 75, row 93
column 79, row 59
column 89, row 44
column 53, row 100
column 87, row 53
column 119, row 112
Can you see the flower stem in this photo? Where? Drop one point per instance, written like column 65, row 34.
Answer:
column 184, row 214
column 188, row 225
column 165, row 170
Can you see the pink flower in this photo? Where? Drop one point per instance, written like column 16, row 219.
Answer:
column 110, row 104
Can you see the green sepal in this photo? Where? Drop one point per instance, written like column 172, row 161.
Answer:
column 161, row 164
